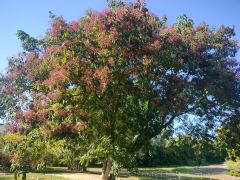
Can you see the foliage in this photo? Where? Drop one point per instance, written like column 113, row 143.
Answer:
column 72, row 154
column 4, row 162
column 183, row 149
column 229, row 137
column 4, row 158
column 55, row 151
column 117, row 78
column 17, row 150
column 29, row 43
column 27, row 152
column 234, row 167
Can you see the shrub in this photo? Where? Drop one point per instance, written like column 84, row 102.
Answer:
column 4, row 162
column 234, row 167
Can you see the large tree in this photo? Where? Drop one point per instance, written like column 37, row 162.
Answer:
column 118, row 77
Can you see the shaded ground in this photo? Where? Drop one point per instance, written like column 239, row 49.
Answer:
column 31, row 176
column 184, row 173
column 204, row 172
column 215, row 172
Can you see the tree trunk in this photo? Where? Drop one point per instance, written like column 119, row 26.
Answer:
column 107, row 166
column 24, row 176
column 15, row 175
column 84, row 168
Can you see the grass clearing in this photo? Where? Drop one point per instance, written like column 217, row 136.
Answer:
column 149, row 173
column 33, row 176
column 183, row 172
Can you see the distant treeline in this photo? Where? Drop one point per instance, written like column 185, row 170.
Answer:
column 182, row 150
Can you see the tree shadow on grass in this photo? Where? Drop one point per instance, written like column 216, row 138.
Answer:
column 167, row 175
column 204, row 170
column 59, row 170
column 185, row 173
column 173, row 178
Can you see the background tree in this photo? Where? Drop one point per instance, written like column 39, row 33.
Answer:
column 182, row 149
column 229, row 137
column 121, row 76
column 4, row 159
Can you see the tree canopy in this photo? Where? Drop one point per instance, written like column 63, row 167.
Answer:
column 117, row 78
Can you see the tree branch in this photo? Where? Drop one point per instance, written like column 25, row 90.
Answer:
column 170, row 121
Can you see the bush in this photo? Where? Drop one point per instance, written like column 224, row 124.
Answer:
column 4, row 162
column 234, row 167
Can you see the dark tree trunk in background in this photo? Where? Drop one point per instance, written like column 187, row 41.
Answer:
column 106, row 169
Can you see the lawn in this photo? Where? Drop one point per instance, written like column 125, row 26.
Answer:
column 183, row 172
column 162, row 173
column 33, row 176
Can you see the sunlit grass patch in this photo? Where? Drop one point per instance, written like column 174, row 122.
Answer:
column 33, row 176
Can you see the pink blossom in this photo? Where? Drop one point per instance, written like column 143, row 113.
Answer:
column 67, row 43
column 102, row 72
column 111, row 61
column 57, row 78
column 156, row 45
column 62, row 113
column 79, row 125
column 86, row 26
column 114, row 34
column 19, row 115
column 100, row 21
column 54, row 49
column 42, row 115
column 106, row 41
column 58, row 26
column 120, row 13
column 14, row 74
column 74, row 26
column 136, row 12
column 174, row 38
column 30, row 116
column 92, row 49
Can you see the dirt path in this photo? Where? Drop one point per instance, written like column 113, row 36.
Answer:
column 78, row 176
column 212, row 171
column 86, row 176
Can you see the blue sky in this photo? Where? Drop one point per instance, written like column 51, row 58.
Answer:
column 32, row 16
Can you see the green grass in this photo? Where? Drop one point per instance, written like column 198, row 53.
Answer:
column 57, row 170
column 173, row 169
column 34, row 176
column 185, row 172
column 168, row 177
column 166, row 168
column 148, row 173
column 147, row 178
column 5, row 178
